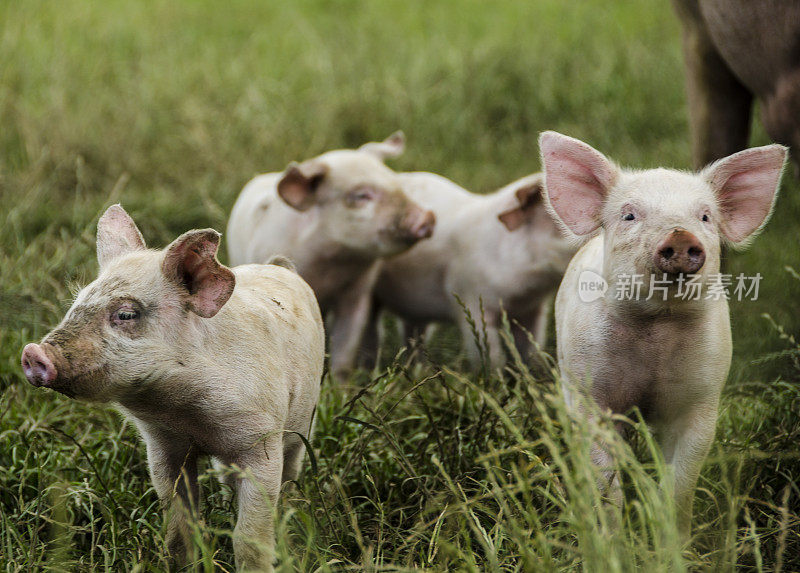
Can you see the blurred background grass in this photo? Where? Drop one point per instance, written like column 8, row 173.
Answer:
column 170, row 107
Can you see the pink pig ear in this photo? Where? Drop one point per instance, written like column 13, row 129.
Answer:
column 392, row 146
column 299, row 183
column 528, row 196
column 577, row 180
column 746, row 184
column 191, row 261
column 117, row 235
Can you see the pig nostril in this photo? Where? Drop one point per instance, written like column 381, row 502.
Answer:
column 668, row 252
column 694, row 252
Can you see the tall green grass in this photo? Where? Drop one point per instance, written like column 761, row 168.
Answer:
column 170, row 107
column 422, row 467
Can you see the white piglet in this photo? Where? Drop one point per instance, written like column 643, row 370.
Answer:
column 496, row 252
column 336, row 216
column 206, row 360
column 659, row 350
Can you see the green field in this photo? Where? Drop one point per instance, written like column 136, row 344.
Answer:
column 170, row 107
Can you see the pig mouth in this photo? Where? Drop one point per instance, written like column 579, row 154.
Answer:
column 81, row 385
column 398, row 238
column 65, row 390
column 410, row 236
column 61, row 385
column 70, row 385
column 673, row 277
column 407, row 237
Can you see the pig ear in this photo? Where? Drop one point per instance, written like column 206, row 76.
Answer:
column 299, row 183
column 528, row 196
column 577, row 180
column 392, row 146
column 191, row 262
column 746, row 184
column 117, row 234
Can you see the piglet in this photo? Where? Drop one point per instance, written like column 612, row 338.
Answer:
column 336, row 216
column 493, row 253
column 206, row 361
column 656, row 349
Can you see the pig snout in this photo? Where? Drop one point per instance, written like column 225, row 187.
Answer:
column 419, row 224
column 38, row 368
column 680, row 252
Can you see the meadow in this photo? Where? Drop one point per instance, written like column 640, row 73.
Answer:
column 170, row 107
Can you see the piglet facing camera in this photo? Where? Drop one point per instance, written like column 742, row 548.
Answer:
column 667, row 353
column 206, row 360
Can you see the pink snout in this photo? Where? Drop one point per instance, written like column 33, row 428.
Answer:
column 419, row 224
column 680, row 252
column 38, row 368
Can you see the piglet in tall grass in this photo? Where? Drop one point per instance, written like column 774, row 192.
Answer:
column 657, row 349
column 206, row 360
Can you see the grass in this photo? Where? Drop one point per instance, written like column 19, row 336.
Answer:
column 170, row 107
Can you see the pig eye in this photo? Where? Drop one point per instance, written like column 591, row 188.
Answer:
column 125, row 314
column 360, row 197
column 705, row 218
column 628, row 217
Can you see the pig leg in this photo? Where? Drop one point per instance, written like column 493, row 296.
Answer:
column 492, row 336
column 719, row 105
column 540, row 322
column 522, row 329
column 350, row 319
column 293, row 450
column 685, row 445
column 414, row 332
column 530, row 325
column 173, row 471
column 608, row 482
column 415, row 336
column 257, row 491
column 369, row 353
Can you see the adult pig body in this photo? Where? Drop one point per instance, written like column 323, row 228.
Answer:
column 736, row 50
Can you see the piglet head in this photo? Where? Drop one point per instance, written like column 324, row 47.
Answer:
column 123, row 327
column 660, row 221
column 358, row 201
